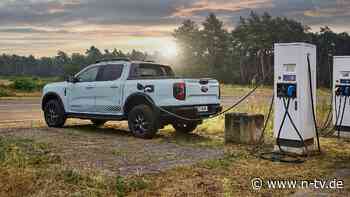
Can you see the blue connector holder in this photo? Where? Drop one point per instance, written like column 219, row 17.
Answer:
column 291, row 91
column 347, row 91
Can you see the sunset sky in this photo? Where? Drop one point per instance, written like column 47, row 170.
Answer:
column 41, row 27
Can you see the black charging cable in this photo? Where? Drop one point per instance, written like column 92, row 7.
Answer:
column 286, row 107
column 263, row 132
column 312, row 103
column 211, row 117
column 337, row 110
column 283, row 156
column 329, row 118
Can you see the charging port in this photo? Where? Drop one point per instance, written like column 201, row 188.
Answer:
column 286, row 90
column 342, row 90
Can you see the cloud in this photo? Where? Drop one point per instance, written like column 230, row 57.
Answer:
column 342, row 10
column 102, row 12
column 220, row 6
column 30, row 30
column 72, row 25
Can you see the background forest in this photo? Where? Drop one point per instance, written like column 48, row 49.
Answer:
column 208, row 49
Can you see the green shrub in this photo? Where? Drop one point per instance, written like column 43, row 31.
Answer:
column 138, row 184
column 25, row 84
column 72, row 176
column 120, row 186
column 4, row 92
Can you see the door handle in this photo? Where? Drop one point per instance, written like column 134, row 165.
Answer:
column 114, row 87
column 90, row 87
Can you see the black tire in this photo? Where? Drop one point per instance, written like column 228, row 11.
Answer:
column 54, row 114
column 142, row 122
column 185, row 127
column 98, row 123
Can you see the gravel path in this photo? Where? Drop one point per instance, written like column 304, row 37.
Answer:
column 114, row 152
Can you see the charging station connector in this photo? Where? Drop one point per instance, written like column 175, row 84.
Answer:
column 286, row 90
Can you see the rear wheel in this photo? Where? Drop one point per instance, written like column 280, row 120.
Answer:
column 141, row 120
column 54, row 114
column 98, row 122
column 185, row 127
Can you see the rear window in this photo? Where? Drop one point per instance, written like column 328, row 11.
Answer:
column 110, row 72
column 150, row 70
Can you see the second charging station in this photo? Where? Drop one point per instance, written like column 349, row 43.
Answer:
column 295, row 71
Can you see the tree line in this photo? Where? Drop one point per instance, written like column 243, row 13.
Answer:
column 246, row 52
column 62, row 64
column 209, row 49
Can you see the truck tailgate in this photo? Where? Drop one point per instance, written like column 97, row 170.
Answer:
column 202, row 88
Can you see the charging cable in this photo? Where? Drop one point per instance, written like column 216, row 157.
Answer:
column 312, row 103
column 211, row 117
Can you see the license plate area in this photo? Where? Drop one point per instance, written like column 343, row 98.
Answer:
column 202, row 108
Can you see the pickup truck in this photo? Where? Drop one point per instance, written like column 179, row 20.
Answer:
column 141, row 92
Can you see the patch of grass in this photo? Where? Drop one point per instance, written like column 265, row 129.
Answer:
column 124, row 186
column 120, row 153
column 231, row 175
column 28, row 168
column 196, row 139
column 71, row 176
column 238, row 90
column 137, row 184
column 5, row 92
column 23, row 153
column 120, row 186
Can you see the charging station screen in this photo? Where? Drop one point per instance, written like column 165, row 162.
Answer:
column 289, row 67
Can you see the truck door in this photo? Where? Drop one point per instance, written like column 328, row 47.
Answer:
column 109, row 89
column 82, row 93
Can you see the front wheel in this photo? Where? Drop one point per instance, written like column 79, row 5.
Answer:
column 185, row 127
column 142, row 122
column 54, row 114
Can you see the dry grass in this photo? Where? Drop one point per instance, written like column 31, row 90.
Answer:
column 231, row 175
column 28, row 168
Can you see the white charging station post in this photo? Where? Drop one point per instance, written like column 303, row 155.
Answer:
column 292, row 91
column 341, row 95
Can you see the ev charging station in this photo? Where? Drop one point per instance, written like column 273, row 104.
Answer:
column 341, row 95
column 294, row 124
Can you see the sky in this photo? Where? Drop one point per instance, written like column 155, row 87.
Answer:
column 42, row 27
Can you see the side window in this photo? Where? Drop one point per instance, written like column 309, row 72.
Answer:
column 150, row 70
column 110, row 72
column 168, row 71
column 88, row 75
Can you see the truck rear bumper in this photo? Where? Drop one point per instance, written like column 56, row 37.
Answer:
column 191, row 111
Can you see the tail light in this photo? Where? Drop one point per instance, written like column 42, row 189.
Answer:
column 179, row 90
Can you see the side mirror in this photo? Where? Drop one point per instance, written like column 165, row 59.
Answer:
column 71, row 79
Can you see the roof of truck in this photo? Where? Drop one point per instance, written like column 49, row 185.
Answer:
column 128, row 60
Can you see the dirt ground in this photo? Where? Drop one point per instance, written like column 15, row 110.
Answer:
column 114, row 151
